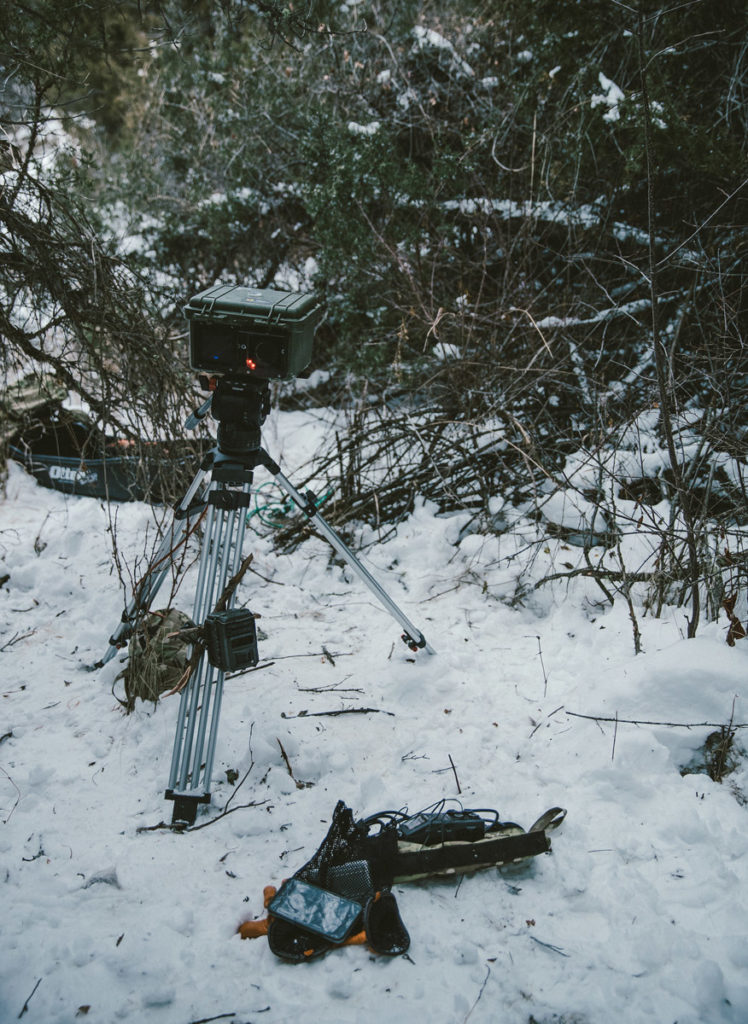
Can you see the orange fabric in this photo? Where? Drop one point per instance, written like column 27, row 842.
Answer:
column 254, row 929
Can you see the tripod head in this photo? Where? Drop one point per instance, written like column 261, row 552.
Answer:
column 240, row 405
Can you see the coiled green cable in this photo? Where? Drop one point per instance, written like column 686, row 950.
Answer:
column 275, row 513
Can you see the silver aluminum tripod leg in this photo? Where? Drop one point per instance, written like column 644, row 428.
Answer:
column 413, row 636
column 200, row 701
column 146, row 590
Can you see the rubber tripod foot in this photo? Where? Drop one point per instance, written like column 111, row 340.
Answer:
column 185, row 811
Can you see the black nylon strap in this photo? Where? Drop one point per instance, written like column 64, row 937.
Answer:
column 433, row 860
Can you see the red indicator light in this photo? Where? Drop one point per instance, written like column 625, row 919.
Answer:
column 251, row 364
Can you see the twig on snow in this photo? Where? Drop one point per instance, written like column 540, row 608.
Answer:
column 340, row 711
column 485, row 982
column 219, row 1016
column 331, row 688
column 542, row 665
column 18, row 797
column 597, row 574
column 26, row 1004
column 284, row 755
column 315, row 654
column 227, row 809
column 549, row 945
column 669, row 725
column 16, row 639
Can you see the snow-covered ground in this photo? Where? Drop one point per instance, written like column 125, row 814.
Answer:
column 639, row 913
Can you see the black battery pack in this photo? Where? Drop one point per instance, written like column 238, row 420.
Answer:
column 431, row 827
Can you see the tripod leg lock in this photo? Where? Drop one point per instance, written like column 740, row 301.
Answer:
column 310, row 507
column 414, row 645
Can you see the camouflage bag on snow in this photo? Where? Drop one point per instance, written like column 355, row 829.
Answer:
column 158, row 660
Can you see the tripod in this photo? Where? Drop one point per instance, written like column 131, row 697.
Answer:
column 221, row 490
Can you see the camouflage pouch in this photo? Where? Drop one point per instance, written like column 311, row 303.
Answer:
column 158, row 659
